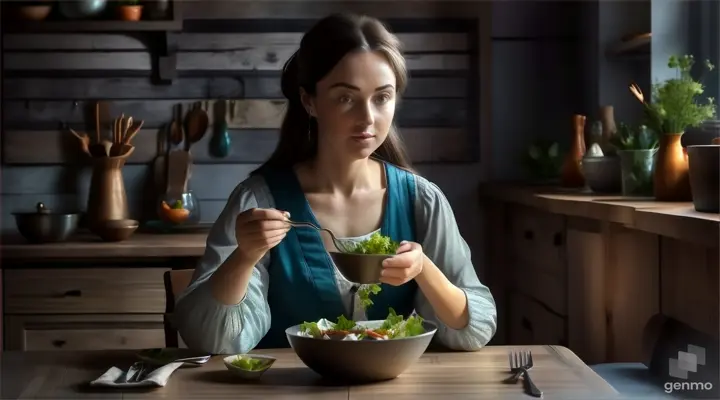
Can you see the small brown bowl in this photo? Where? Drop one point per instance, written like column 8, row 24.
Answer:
column 359, row 268
column 116, row 230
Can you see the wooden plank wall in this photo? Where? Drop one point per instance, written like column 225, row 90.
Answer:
column 51, row 81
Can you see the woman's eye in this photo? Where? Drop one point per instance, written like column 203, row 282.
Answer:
column 382, row 99
column 345, row 99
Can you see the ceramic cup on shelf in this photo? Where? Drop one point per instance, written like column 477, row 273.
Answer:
column 704, row 171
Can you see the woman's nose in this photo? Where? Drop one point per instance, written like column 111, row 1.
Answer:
column 365, row 114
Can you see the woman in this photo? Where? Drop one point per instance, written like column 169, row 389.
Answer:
column 340, row 164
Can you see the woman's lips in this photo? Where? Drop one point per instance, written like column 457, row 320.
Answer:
column 362, row 136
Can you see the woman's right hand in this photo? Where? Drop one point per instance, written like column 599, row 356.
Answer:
column 258, row 230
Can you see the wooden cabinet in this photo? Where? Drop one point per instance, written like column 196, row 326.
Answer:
column 584, row 272
column 100, row 308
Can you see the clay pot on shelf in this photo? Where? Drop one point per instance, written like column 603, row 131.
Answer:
column 34, row 12
column 671, row 181
column 130, row 11
column 704, row 172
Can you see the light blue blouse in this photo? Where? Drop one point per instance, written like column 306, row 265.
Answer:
column 208, row 325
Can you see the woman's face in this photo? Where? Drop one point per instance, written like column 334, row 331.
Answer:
column 354, row 105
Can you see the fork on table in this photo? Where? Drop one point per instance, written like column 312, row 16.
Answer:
column 520, row 364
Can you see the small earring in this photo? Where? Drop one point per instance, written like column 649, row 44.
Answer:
column 309, row 133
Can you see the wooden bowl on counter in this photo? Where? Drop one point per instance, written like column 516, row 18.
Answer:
column 116, row 230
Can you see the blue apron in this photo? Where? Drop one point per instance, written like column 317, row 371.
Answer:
column 302, row 278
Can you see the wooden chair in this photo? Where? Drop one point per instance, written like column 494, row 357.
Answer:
column 175, row 282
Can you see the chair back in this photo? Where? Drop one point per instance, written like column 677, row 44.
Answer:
column 175, row 282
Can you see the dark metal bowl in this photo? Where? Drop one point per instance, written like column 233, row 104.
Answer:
column 360, row 361
column 602, row 174
column 359, row 268
column 44, row 226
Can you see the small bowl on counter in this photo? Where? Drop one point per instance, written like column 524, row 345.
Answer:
column 248, row 366
column 46, row 226
column 603, row 174
column 116, row 230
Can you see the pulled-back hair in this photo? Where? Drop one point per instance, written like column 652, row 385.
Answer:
column 321, row 48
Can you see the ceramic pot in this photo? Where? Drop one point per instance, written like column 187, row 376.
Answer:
column 670, row 179
column 636, row 170
column 130, row 13
column 704, row 172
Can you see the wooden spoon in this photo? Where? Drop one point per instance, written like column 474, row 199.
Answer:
column 84, row 141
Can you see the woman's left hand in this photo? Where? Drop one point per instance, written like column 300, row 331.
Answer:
column 404, row 266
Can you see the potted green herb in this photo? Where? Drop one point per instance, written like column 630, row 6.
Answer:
column 637, row 149
column 542, row 160
column 130, row 10
column 674, row 108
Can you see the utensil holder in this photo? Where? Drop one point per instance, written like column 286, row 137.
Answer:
column 107, row 199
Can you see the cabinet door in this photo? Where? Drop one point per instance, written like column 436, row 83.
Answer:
column 587, row 316
column 533, row 324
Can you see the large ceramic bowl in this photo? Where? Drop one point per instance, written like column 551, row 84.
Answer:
column 360, row 361
column 359, row 268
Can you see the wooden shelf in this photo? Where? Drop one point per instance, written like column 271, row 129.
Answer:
column 636, row 46
column 162, row 34
column 174, row 25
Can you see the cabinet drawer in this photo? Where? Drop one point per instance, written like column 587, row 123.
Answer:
column 86, row 290
column 116, row 332
column 531, row 324
column 537, row 238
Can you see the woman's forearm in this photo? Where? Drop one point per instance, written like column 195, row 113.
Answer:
column 447, row 300
column 230, row 281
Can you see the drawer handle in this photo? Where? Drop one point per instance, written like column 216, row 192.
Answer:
column 526, row 324
column 558, row 239
column 58, row 343
column 72, row 293
column 528, row 235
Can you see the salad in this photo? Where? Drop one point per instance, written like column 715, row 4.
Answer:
column 250, row 364
column 393, row 327
column 375, row 244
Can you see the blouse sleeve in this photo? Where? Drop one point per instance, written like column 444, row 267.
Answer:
column 442, row 243
column 208, row 325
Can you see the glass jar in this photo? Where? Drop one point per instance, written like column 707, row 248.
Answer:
column 179, row 210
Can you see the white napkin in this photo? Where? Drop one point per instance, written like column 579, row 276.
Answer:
column 114, row 377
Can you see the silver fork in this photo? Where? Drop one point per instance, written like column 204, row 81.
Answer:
column 520, row 364
column 338, row 244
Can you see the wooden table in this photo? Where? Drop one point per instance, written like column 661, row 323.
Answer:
column 64, row 374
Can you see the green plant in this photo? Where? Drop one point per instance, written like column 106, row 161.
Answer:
column 542, row 160
column 628, row 138
column 674, row 105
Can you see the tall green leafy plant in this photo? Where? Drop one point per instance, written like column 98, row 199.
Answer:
column 675, row 106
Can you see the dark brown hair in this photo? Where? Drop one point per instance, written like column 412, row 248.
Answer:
column 321, row 48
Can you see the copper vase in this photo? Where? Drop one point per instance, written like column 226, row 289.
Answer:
column 107, row 199
column 571, row 173
column 671, row 181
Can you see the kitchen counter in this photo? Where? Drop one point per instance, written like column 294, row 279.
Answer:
column 677, row 220
column 140, row 245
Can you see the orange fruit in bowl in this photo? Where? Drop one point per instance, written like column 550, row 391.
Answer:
column 174, row 215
